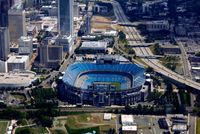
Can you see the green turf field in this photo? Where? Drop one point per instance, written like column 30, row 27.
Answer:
column 117, row 85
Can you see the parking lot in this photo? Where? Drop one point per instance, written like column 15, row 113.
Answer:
column 148, row 125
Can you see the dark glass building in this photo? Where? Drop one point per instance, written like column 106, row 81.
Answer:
column 4, row 43
column 65, row 17
column 4, row 7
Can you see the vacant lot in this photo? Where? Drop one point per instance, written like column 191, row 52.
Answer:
column 104, row 23
column 83, row 123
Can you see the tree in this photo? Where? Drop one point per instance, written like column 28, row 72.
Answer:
column 149, row 70
column 46, row 121
column 157, row 49
column 122, row 36
column 24, row 130
column 131, row 51
column 197, row 54
column 111, row 131
column 80, row 33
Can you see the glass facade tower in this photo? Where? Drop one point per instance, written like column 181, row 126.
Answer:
column 65, row 17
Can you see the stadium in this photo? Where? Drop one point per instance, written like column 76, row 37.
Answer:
column 103, row 84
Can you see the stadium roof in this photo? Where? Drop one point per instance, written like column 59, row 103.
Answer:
column 75, row 70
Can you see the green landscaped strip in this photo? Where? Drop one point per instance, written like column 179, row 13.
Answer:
column 3, row 126
column 198, row 126
column 82, row 130
column 58, row 131
column 34, row 130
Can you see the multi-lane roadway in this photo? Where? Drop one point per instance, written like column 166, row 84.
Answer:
column 135, row 38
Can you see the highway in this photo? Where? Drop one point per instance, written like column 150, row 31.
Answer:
column 184, row 59
column 135, row 38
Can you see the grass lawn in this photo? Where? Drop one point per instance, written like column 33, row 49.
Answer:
column 32, row 130
column 40, row 130
column 3, row 126
column 198, row 126
column 21, row 97
column 58, row 131
column 105, row 128
column 75, row 124
column 81, row 123
column 82, row 130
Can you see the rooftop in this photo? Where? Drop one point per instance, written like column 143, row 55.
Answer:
column 94, row 44
column 16, row 78
column 129, row 128
column 127, row 119
column 18, row 4
column 25, row 38
column 179, row 127
column 17, row 59
column 107, row 116
column 158, row 22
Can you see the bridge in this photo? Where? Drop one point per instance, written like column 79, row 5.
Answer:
column 142, row 45
column 150, row 56
column 131, row 32
column 127, row 24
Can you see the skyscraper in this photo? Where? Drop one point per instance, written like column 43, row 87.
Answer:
column 3, row 13
column 4, row 7
column 17, row 22
column 4, row 43
column 65, row 17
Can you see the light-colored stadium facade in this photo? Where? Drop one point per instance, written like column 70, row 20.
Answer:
column 95, row 84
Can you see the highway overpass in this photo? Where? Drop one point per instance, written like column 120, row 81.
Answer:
column 133, row 34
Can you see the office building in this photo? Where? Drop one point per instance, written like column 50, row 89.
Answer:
column 16, row 20
column 65, row 17
column 51, row 56
column 94, row 47
column 3, row 66
column 154, row 26
column 76, row 9
column 128, row 124
column 25, row 45
column 4, row 43
column 4, row 7
column 66, row 42
column 16, row 62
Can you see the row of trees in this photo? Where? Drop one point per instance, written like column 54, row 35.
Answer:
column 171, row 62
column 157, row 50
column 44, row 97
column 42, row 117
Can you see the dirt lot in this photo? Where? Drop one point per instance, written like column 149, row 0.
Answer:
column 104, row 23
